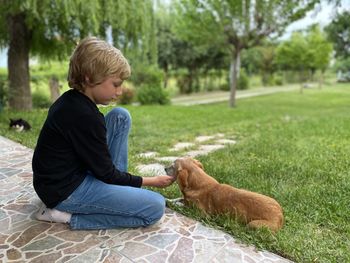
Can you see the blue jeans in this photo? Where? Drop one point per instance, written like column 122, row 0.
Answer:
column 97, row 205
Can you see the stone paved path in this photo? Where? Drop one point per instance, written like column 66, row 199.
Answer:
column 220, row 96
column 175, row 238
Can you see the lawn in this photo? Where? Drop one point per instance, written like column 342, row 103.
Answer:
column 293, row 147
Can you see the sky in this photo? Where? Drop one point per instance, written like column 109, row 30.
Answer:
column 322, row 17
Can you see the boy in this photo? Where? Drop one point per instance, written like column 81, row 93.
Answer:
column 80, row 160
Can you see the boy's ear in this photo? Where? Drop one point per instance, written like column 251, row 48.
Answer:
column 87, row 80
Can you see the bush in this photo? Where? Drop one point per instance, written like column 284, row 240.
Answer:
column 40, row 100
column 243, row 81
column 3, row 92
column 224, row 87
column 184, row 83
column 278, row 80
column 267, row 80
column 187, row 83
column 146, row 75
column 127, row 97
column 152, row 95
column 148, row 80
column 342, row 65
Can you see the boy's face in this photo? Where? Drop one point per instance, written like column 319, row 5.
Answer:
column 106, row 91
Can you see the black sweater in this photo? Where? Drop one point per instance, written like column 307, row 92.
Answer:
column 72, row 142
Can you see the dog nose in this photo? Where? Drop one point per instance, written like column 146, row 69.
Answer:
column 169, row 170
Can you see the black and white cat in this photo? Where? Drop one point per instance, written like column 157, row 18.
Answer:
column 19, row 125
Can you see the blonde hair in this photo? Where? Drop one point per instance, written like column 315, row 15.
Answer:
column 92, row 61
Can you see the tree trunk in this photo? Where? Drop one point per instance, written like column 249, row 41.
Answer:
column 321, row 80
column 301, row 82
column 234, row 75
column 54, row 85
column 166, row 72
column 206, row 81
column 20, row 97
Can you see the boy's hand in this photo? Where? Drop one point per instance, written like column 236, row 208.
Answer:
column 158, row 181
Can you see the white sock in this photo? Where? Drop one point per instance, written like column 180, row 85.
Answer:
column 52, row 215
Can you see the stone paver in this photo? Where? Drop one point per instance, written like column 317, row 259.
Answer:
column 226, row 141
column 181, row 145
column 175, row 238
column 167, row 158
column 148, row 155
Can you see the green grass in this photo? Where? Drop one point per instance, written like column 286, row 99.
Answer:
column 292, row 147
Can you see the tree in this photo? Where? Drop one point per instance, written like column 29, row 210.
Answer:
column 320, row 49
column 294, row 54
column 165, row 41
column 305, row 54
column 237, row 24
column 251, row 60
column 267, row 62
column 133, row 28
column 339, row 33
column 183, row 56
column 50, row 29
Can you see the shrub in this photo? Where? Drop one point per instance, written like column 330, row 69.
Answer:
column 268, row 80
column 187, row 83
column 127, row 97
column 152, row 95
column 224, row 86
column 148, row 80
column 40, row 100
column 146, row 75
column 3, row 92
column 278, row 80
column 243, row 81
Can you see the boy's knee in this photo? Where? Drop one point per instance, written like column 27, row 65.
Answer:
column 157, row 209
column 160, row 205
column 119, row 114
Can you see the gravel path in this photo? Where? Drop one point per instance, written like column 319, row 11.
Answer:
column 220, row 96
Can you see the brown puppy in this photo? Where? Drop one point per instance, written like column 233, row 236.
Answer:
column 211, row 197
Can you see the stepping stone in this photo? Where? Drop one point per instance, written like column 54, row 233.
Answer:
column 181, row 145
column 286, row 118
column 148, row 155
column 204, row 150
column 226, row 141
column 204, row 138
column 167, row 158
column 211, row 148
column 151, row 169
column 194, row 154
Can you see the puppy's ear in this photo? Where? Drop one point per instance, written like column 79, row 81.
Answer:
column 182, row 179
column 179, row 167
column 198, row 163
